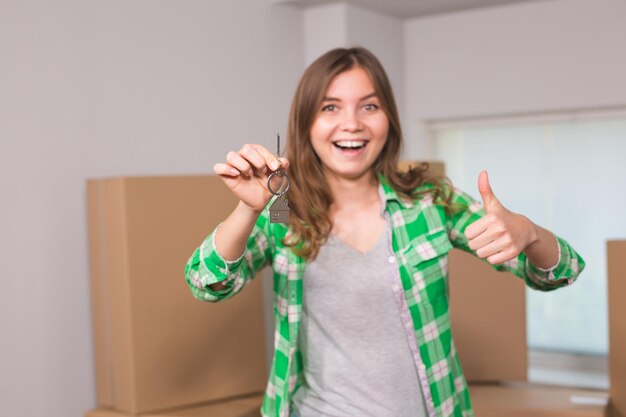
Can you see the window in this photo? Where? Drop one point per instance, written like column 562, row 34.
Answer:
column 567, row 173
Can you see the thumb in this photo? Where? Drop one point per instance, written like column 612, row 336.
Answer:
column 489, row 199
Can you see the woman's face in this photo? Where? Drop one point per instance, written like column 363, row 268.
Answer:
column 350, row 129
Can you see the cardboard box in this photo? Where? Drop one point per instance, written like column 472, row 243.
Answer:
column 529, row 400
column 101, row 412
column 156, row 347
column 616, row 253
column 243, row 407
column 240, row 407
column 435, row 167
column 488, row 316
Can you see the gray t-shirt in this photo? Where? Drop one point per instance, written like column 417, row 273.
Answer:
column 356, row 357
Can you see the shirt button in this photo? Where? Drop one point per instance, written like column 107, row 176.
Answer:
column 392, row 259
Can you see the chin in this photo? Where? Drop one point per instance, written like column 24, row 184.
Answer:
column 353, row 174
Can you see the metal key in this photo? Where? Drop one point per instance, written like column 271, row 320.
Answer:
column 279, row 210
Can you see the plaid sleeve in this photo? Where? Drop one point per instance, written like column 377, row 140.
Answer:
column 465, row 210
column 207, row 266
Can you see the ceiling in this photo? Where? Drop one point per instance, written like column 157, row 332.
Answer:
column 411, row 8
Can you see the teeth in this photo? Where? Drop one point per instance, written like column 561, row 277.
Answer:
column 350, row 143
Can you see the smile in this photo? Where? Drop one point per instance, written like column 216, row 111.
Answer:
column 350, row 144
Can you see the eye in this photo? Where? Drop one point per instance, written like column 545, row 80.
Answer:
column 371, row 107
column 329, row 107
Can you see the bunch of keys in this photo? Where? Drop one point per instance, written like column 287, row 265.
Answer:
column 279, row 210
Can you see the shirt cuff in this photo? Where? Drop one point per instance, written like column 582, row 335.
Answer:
column 218, row 268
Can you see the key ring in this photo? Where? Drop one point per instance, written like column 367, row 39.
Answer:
column 279, row 210
column 280, row 173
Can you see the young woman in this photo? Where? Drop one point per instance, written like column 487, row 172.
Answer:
column 360, row 271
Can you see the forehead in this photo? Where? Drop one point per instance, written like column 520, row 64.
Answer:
column 355, row 82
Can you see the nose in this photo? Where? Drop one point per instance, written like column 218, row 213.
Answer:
column 350, row 121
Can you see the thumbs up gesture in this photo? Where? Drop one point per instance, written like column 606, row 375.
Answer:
column 501, row 234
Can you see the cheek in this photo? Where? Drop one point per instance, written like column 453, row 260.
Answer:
column 314, row 136
column 321, row 127
column 315, row 131
column 382, row 127
column 317, row 137
column 320, row 132
column 382, row 134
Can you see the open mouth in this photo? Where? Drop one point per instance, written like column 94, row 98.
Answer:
column 350, row 145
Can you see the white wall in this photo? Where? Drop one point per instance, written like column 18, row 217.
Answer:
column 527, row 57
column 325, row 27
column 91, row 89
column 336, row 25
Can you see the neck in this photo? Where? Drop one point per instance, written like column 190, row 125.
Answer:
column 354, row 193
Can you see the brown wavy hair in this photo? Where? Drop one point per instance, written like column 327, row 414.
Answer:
column 310, row 196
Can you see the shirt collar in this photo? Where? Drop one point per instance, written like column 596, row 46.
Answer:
column 389, row 195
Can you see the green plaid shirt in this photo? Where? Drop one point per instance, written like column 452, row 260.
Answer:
column 422, row 235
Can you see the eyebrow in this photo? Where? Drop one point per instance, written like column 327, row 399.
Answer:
column 370, row 95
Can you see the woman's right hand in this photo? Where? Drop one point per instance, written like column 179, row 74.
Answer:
column 245, row 173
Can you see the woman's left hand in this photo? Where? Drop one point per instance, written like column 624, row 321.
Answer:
column 501, row 235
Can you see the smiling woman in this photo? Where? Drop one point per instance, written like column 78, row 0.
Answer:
column 360, row 272
column 345, row 99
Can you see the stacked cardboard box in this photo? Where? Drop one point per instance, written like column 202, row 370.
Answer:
column 532, row 400
column 616, row 252
column 488, row 315
column 238, row 407
column 156, row 348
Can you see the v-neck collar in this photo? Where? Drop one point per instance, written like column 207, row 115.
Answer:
column 333, row 239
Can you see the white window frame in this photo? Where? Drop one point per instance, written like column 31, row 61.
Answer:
column 548, row 367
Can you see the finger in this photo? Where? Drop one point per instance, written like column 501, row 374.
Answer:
column 481, row 240
column 250, row 153
column 226, row 170
column 235, row 160
column 477, row 228
column 491, row 249
column 270, row 159
column 284, row 162
column 490, row 201
column 502, row 257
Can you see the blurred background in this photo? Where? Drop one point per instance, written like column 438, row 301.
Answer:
column 533, row 91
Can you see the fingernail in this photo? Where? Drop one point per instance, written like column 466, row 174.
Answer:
column 250, row 173
column 234, row 171
column 274, row 165
column 265, row 170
